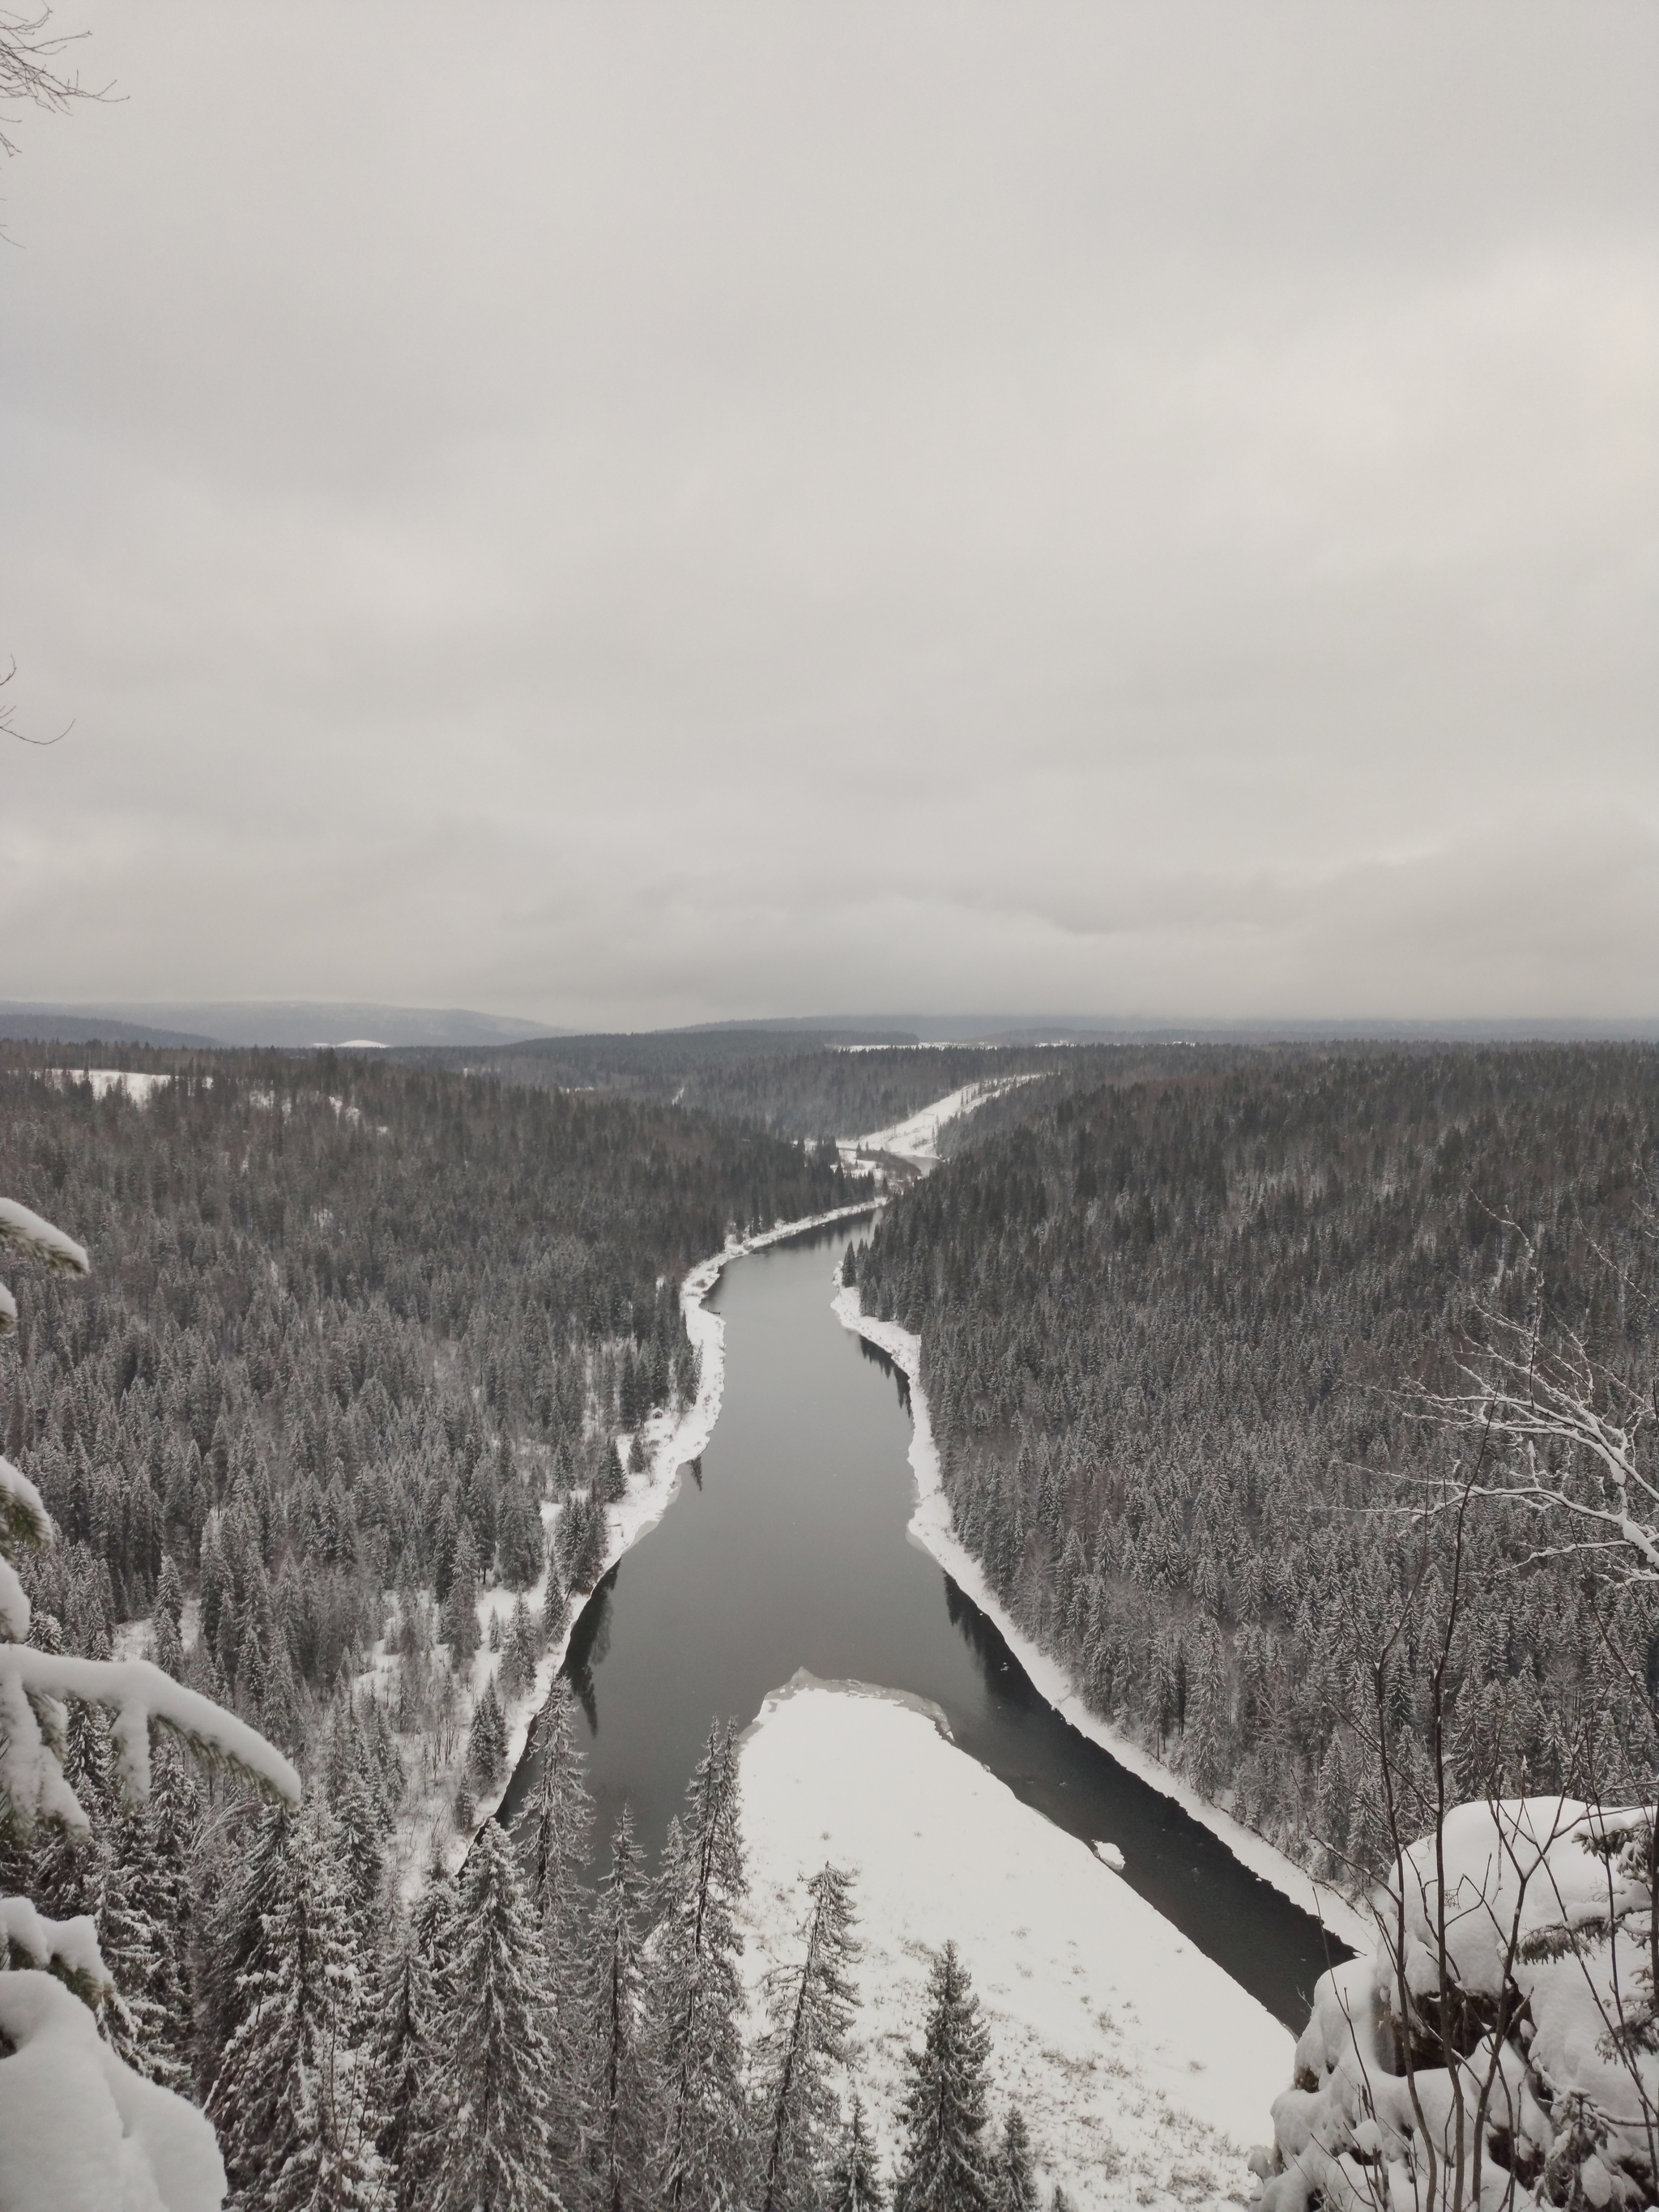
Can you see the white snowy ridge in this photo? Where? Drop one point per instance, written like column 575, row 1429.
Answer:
column 932, row 1526
column 80, row 2131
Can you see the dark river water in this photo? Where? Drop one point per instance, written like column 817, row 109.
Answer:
column 788, row 1547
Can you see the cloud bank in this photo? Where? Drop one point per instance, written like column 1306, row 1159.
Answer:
column 620, row 516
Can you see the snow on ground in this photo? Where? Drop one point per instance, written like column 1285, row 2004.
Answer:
column 139, row 1087
column 1143, row 2070
column 931, row 1526
column 917, row 1138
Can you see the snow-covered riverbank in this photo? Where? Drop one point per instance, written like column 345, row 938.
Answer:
column 1143, row 2070
column 932, row 1526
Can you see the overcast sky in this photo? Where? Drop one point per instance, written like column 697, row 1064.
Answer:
column 623, row 514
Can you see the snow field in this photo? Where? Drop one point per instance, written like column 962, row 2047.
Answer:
column 917, row 1138
column 138, row 1086
column 1142, row 2069
column 930, row 1525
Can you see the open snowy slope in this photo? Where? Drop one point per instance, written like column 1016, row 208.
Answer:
column 1143, row 2070
column 917, row 1138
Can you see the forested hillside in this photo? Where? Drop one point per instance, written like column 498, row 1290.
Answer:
column 347, row 1324
column 1165, row 1328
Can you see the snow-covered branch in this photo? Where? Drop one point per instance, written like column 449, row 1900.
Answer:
column 27, row 1232
column 34, row 1683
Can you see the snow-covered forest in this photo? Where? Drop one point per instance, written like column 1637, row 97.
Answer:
column 329, row 1432
column 354, row 1336
column 1170, row 1333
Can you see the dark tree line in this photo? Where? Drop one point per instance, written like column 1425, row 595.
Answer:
column 1167, row 1331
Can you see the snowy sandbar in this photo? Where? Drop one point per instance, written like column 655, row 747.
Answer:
column 1142, row 2068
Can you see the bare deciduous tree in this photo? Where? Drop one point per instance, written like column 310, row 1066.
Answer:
column 31, row 71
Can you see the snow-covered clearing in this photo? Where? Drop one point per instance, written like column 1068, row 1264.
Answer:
column 138, row 1086
column 932, row 1528
column 1143, row 2070
column 916, row 1140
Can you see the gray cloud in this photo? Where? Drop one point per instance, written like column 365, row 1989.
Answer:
column 645, row 516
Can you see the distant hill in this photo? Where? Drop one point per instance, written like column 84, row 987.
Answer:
column 35, row 1024
column 1162, row 1029
column 281, row 1022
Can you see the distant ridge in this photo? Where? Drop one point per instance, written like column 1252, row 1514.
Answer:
column 30, row 1024
column 291, row 1023
column 1149, row 1028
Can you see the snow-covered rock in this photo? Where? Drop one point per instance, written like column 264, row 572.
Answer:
column 1141, row 2067
column 1546, row 1956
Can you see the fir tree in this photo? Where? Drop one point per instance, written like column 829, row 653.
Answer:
column 159, row 1840
column 460, row 1606
column 696, row 1994
column 290, row 2100
column 620, row 2090
column 237, row 1951
column 558, row 1819
column 1016, row 2177
column 498, row 2064
column 520, row 1541
column 944, row 2165
column 810, row 2008
column 357, row 1836
column 486, row 1749
column 166, row 1648
column 855, row 2182
column 404, row 2059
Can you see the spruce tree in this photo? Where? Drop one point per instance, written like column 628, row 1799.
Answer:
column 619, row 2091
column 486, row 1748
column 404, row 2059
column 159, row 1839
column 944, row 2165
column 496, row 2079
column 557, row 1822
column 290, row 2101
column 237, row 1951
column 358, row 1838
column 520, row 1541
column 856, row 2183
column 811, row 2010
column 696, row 1996
column 460, row 1606
column 1016, row 2178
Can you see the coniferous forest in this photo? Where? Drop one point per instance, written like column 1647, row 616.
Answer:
column 1172, row 1333
column 352, row 1324
column 349, row 1326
